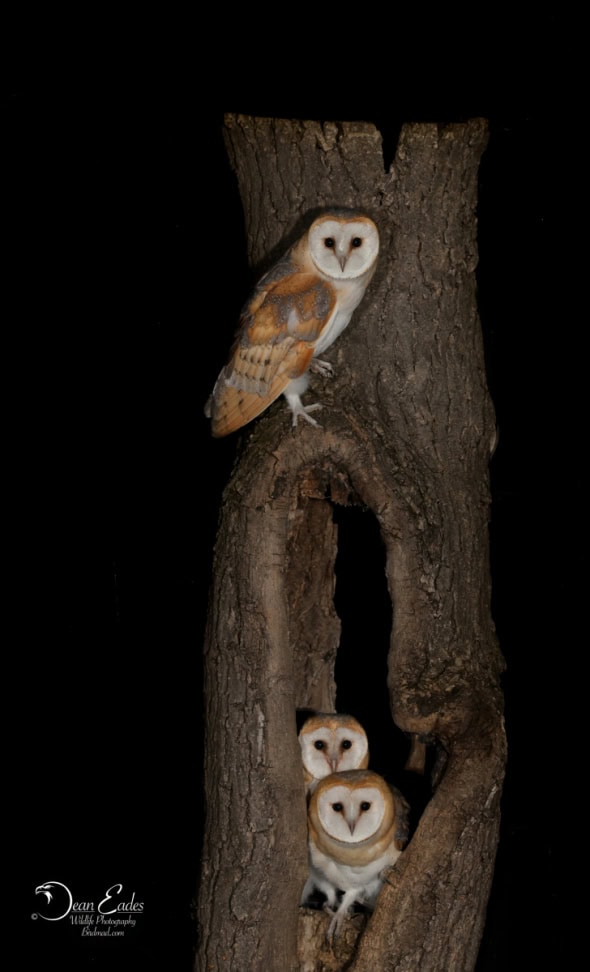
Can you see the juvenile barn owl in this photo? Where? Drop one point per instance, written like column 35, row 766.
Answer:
column 331, row 742
column 298, row 308
column 357, row 827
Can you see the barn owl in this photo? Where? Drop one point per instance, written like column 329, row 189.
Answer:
column 331, row 742
column 357, row 827
column 298, row 308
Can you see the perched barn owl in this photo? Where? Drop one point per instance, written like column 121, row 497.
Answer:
column 357, row 827
column 331, row 742
column 296, row 311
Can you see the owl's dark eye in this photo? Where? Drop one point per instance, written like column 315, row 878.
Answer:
column 356, row 241
column 346, row 744
column 365, row 805
column 329, row 242
column 337, row 807
column 319, row 744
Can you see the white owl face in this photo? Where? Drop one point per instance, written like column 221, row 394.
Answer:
column 351, row 815
column 332, row 743
column 343, row 249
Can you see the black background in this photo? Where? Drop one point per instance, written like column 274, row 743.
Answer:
column 128, row 266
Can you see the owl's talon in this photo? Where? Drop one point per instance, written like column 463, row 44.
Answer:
column 303, row 412
column 335, row 926
column 322, row 368
column 332, row 912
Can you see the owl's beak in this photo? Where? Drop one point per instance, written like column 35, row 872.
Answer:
column 351, row 821
column 342, row 256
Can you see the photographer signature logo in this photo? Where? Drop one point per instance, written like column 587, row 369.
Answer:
column 114, row 913
column 52, row 890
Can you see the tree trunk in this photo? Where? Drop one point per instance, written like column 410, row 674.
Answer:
column 406, row 432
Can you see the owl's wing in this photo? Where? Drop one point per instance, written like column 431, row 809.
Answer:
column 275, row 343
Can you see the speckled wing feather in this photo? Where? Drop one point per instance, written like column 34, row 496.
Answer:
column 274, row 344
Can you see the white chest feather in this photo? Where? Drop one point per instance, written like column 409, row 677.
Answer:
column 349, row 297
column 347, row 877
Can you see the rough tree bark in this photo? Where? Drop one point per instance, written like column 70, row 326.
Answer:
column 406, row 432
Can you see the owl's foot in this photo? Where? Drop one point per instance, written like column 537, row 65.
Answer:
column 336, row 923
column 302, row 411
column 323, row 368
column 335, row 926
column 340, row 915
column 304, row 414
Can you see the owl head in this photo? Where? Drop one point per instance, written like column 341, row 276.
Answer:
column 343, row 244
column 351, row 808
column 330, row 743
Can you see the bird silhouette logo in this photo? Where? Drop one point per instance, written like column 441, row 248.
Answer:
column 63, row 902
